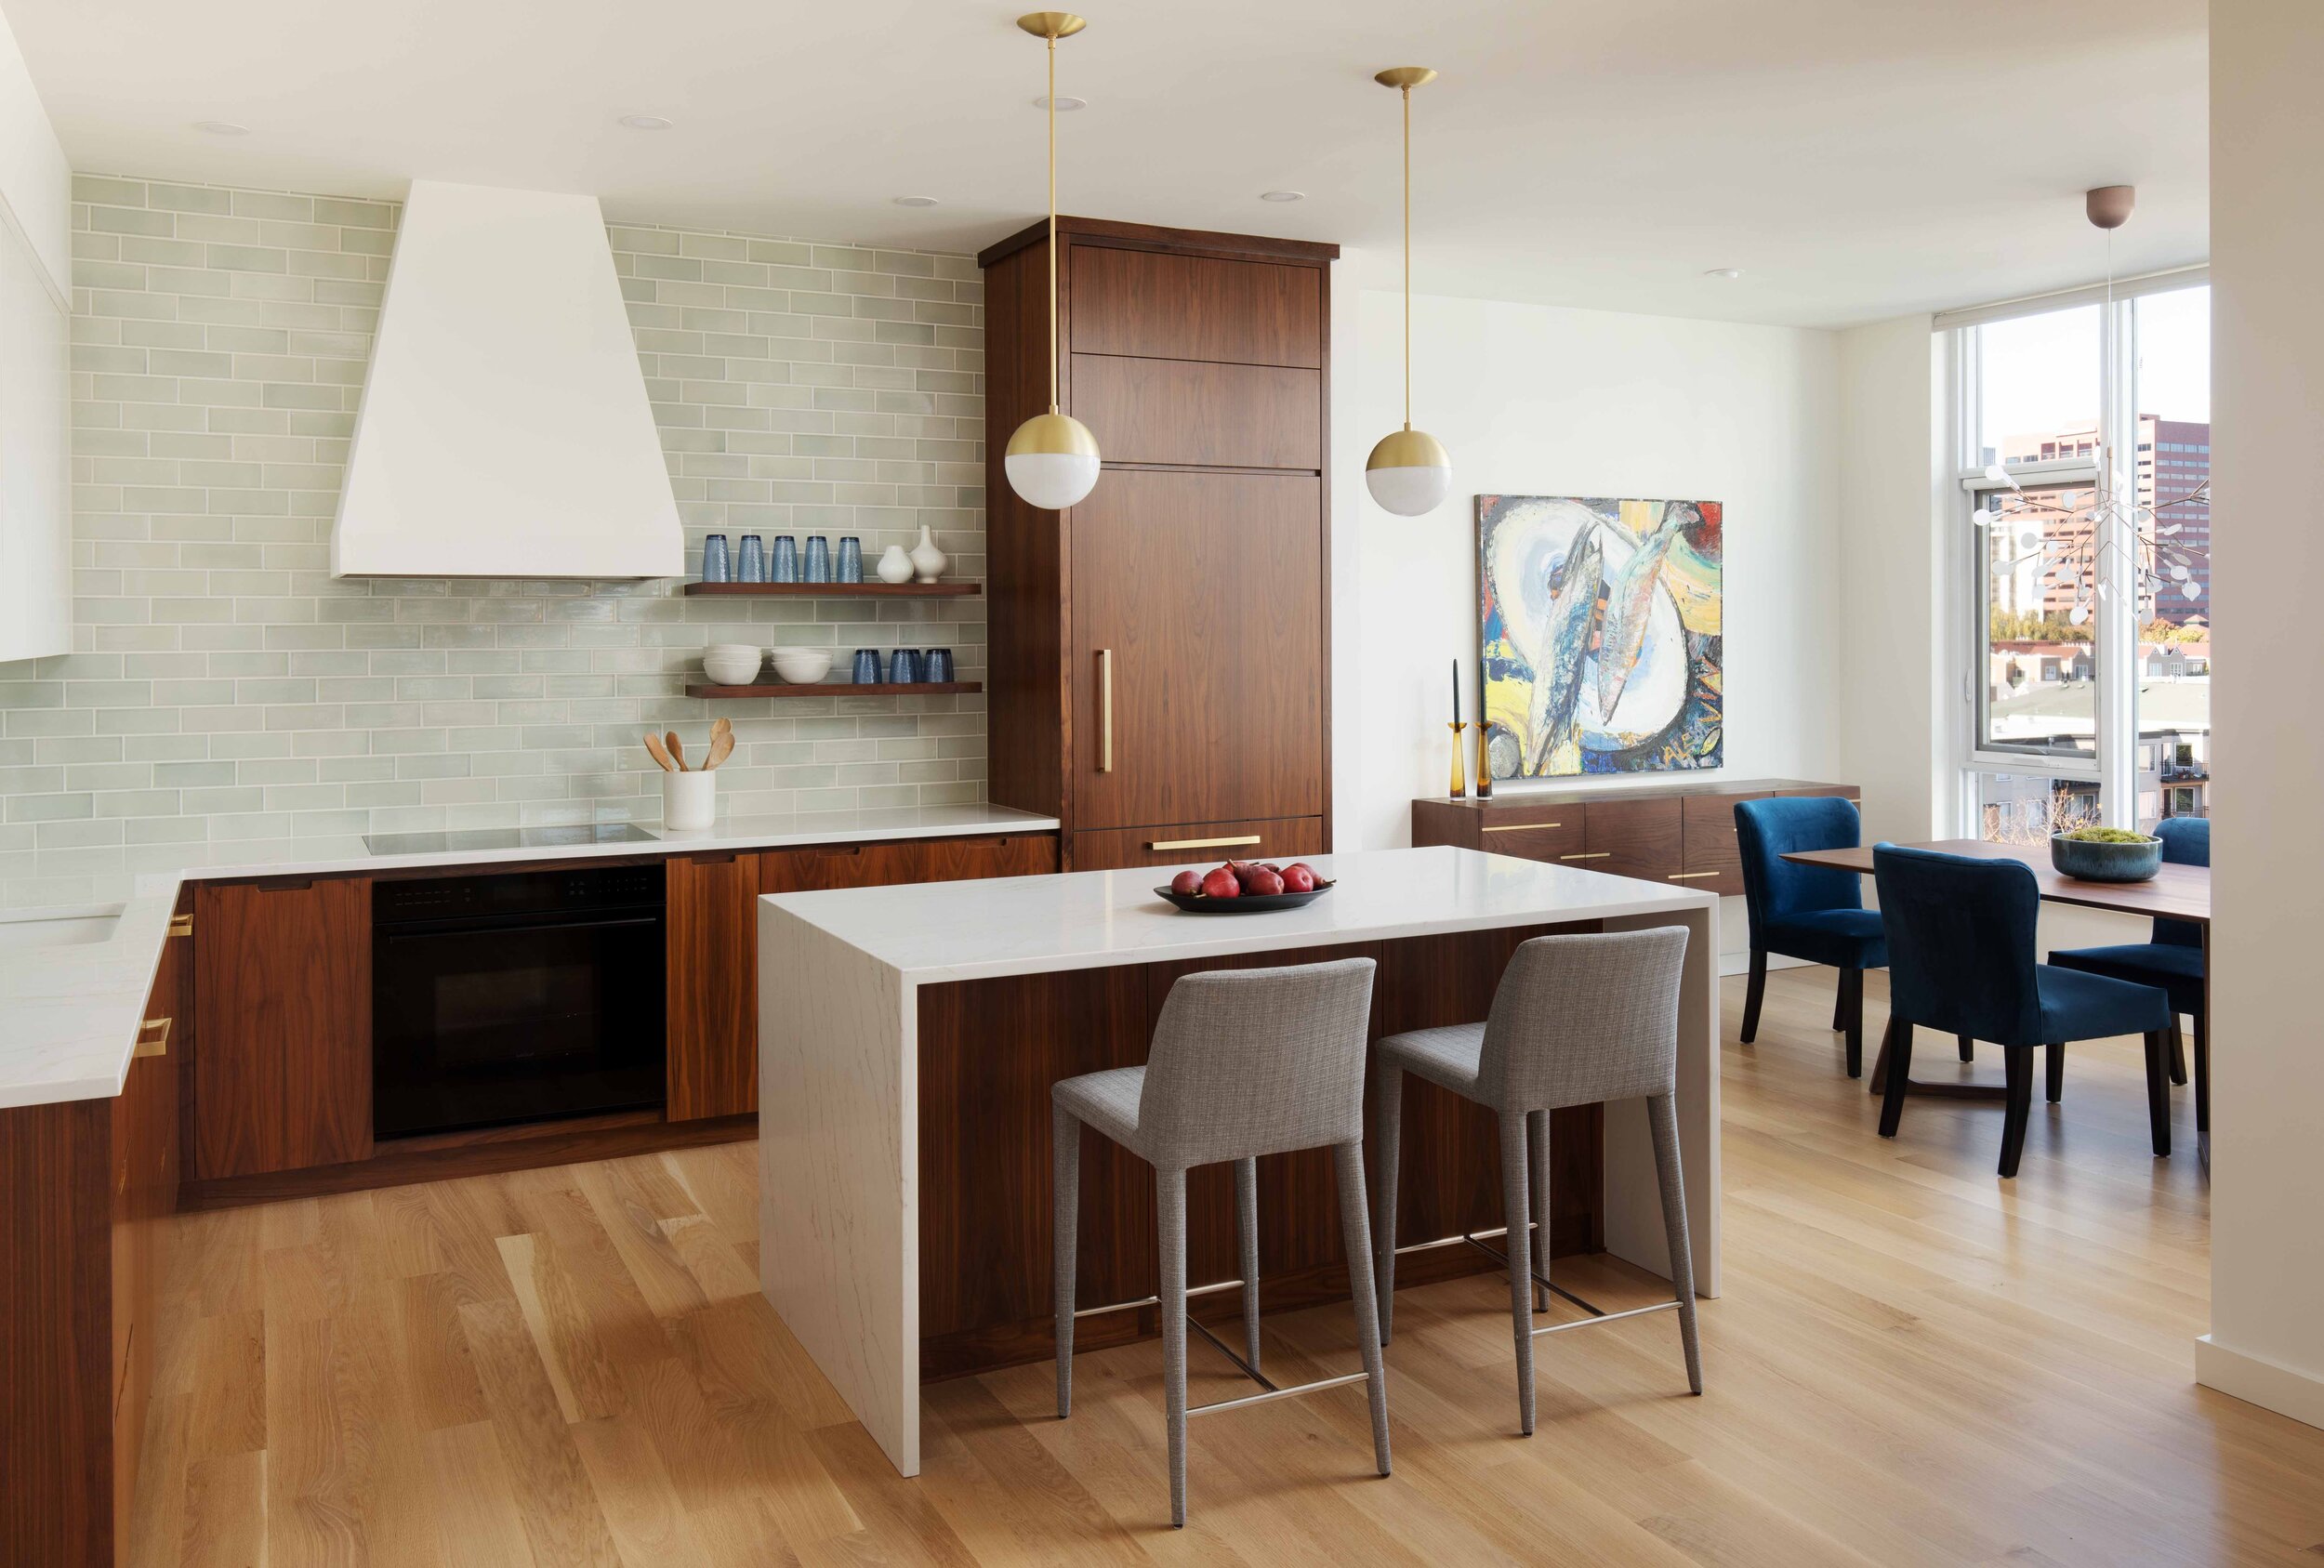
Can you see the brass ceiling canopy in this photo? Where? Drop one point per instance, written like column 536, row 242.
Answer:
column 1052, row 25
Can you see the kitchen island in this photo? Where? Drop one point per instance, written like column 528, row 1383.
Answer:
column 903, row 1101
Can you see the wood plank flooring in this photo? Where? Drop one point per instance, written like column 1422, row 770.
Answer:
column 1914, row 1363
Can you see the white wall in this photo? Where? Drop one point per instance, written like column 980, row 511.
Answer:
column 35, row 181
column 2266, row 1343
column 1536, row 400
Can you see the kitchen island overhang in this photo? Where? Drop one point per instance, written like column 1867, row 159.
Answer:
column 908, row 1035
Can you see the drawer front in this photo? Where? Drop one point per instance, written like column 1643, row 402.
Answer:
column 970, row 860
column 1157, row 306
column 1549, row 833
column 1632, row 838
column 837, row 865
column 1845, row 792
column 1277, row 838
column 1713, row 859
column 1212, row 415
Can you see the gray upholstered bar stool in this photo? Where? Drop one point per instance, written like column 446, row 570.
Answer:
column 1576, row 1020
column 1245, row 1063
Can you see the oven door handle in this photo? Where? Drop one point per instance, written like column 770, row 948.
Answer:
column 517, row 925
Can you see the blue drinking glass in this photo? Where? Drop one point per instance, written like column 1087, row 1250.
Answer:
column 751, row 560
column 866, row 667
column 818, row 559
column 904, row 669
column 716, row 567
column 785, row 559
column 940, row 670
column 850, row 560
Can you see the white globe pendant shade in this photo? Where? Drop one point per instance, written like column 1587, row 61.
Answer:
column 1409, row 473
column 1051, row 461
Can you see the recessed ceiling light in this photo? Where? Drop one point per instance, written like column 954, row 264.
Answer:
column 220, row 127
column 1064, row 105
column 1283, row 196
column 647, row 121
column 915, row 200
column 1730, row 273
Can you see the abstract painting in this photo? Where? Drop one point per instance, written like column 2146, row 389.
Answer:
column 1600, row 634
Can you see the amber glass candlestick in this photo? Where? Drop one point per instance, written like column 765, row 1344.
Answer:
column 1485, row 762
column 1460, row 785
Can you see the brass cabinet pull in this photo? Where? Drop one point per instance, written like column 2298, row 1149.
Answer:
column 181, row 925
column 154, row 1037
column 1518, row 827
column 1593, row 855
column 1227, row 843
column 1684, row 875
column 1105, row 710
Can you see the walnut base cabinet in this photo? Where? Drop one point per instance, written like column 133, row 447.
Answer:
column 87, row 1188
column 712, row 921
column 1158, row 655
column 281, row 1079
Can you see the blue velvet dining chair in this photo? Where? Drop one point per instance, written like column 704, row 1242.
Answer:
column 1811, row 911
column 2172, row 960
column 1961, row 958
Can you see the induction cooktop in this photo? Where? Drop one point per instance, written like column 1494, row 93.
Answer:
column 504, row 838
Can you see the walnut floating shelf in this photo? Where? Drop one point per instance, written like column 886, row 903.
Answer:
column 841, row 688
column 840, row 590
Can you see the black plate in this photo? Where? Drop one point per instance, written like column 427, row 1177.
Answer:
column 1250, row 903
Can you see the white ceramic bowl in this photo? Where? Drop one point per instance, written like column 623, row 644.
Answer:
column 802, row 666
column 731, row 663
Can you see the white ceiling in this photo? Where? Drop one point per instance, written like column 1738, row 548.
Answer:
column 1858, row 158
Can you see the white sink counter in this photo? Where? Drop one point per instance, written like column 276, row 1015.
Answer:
column 69, row 1005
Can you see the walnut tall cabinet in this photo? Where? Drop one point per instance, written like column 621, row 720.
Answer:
column 1158, row 676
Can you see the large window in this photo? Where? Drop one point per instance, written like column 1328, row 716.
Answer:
column 2085, row 460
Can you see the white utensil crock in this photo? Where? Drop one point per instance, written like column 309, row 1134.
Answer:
column 690, row 801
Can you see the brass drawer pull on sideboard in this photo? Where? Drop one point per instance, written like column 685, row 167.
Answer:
column 1593, row 855
column 1686, row 876
column 181, row 925
column 154, row 1037
column 1160, row 845
column 1518, row 827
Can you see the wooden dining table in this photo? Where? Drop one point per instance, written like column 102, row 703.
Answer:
column 2175, row 892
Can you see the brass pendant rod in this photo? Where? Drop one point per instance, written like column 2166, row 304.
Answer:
column 1408, row 257
column 1053, row 223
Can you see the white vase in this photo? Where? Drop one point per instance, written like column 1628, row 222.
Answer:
column 690, row 801
column 927, row 560
column 896, row 566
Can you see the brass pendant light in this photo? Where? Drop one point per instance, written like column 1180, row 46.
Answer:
column 1409, row 473
column 1053, row 458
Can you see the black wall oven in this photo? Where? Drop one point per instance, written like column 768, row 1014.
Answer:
column 518, row 997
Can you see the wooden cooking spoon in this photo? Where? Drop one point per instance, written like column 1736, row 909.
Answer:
column 721, row 742
column 659, row 753
column 677, row 748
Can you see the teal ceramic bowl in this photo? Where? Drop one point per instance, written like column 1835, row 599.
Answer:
column 2089, row 861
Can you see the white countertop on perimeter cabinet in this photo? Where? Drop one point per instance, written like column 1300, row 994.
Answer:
column 1030, row 925
column 81, row 930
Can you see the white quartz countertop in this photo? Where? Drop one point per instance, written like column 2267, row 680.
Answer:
column 80, row 932
column 1033, row 925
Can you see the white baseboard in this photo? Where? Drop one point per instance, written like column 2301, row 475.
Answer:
column 1740, row 963
column 2257, row 1380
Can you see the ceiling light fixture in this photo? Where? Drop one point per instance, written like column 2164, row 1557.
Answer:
column 915, row 200
column 1729, row 273
column 1063, row 105
column 220, row 127
column 647, row 121
column 1053, row 458
column 1283, row 196
column 1409, row 473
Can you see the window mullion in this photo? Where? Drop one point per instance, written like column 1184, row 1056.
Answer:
column 2115, row 628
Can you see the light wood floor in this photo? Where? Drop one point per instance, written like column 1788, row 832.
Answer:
column 1914, row 1363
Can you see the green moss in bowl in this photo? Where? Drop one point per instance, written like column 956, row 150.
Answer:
column 2108, row 836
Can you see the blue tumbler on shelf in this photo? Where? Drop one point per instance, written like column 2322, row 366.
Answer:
column 939, row 671
column 866, row 666
column 716, row 565
column 905, row 668
column 785, row 559
column 850, row 560
column 751, row 560
column 818, row 559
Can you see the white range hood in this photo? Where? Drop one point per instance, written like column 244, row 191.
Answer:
column 505, row 430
